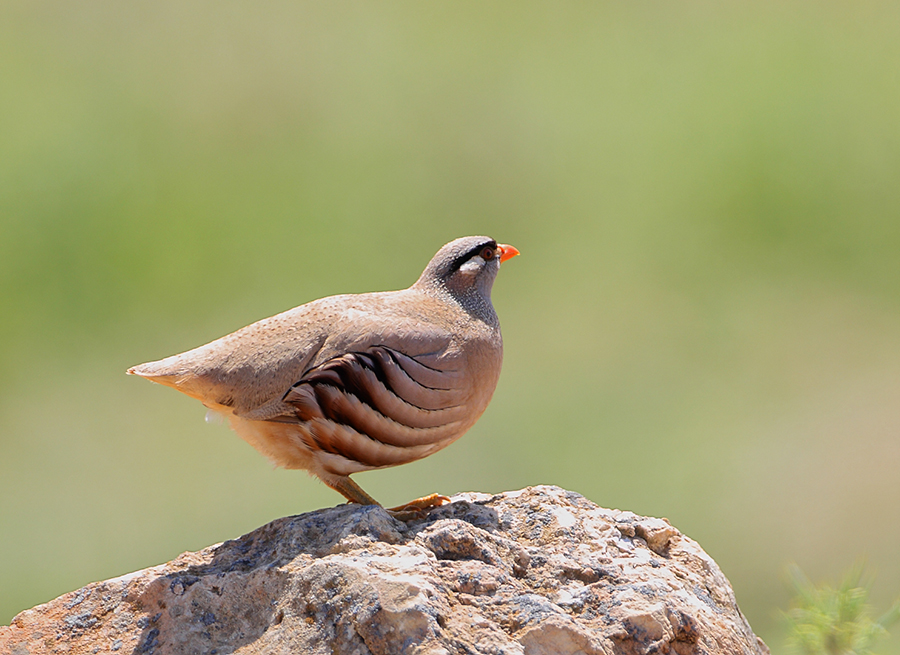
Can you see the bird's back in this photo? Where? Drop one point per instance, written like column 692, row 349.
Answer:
column 250, row 370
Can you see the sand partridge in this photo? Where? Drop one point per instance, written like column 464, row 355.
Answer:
column 357, row 382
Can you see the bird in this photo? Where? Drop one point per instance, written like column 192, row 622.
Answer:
column 356, row 382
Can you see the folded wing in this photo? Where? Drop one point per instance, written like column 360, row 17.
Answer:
column 379, row 407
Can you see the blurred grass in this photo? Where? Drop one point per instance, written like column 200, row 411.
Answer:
column 704, row 324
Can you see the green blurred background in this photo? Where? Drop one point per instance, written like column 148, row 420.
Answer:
column 704, row 323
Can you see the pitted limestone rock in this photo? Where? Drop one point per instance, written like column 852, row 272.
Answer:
column 541, row 570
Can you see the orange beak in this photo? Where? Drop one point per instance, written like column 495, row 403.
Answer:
column 506, row 251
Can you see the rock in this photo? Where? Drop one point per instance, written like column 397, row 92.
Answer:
column 541, row 571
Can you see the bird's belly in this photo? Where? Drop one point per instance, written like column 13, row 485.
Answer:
column 326, row 448
column 281, row 443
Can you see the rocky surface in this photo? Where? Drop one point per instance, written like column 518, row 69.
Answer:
column 535, row 572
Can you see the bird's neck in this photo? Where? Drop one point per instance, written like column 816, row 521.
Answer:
column 474, row 302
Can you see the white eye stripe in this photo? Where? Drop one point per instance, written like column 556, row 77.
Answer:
column 472, row 266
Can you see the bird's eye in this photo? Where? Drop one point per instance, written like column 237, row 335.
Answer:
column 487, row 254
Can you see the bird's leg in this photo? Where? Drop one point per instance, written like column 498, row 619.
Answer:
column 350, row 490
column 408, row 511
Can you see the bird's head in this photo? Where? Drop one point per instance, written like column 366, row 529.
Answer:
column 466, row 268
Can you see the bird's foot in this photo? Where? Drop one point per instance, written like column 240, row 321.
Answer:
column 424, row 503
column 418, row 508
